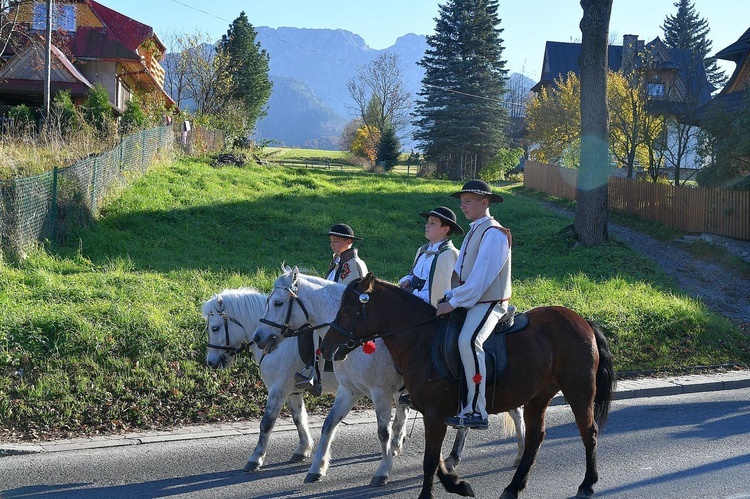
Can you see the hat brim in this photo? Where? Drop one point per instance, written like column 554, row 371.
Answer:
column 345, row 236
column 456, row 228
column 494, row 198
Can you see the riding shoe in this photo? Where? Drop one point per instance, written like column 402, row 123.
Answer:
column 309, row 383
column 474, row 421
column 405, row 400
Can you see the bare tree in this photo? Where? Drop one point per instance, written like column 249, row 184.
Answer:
column 380, row 97
column 590, row 223
column 197, row 74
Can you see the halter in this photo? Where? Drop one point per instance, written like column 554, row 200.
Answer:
column 228, row 349
column 284, row 329
column 352, row 341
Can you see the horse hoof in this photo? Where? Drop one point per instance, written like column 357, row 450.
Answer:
column 584, row 494
column 251, row 467
column 378, row 481
column 451, row 464
column 313, row 477
column 508, row 495
column 297, row 458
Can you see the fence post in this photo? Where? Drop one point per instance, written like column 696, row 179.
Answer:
column 53, row 207
column 144, row 153
column 93, row 185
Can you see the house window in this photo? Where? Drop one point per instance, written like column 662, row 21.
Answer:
column 63, row 17
column 655, row 90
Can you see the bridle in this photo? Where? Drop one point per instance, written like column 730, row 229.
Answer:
column 231, row 351
column 353, row 341
column 284, row 329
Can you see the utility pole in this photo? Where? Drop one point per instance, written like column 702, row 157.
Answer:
column 48, row 60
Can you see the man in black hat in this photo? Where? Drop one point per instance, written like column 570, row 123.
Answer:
column 345, row 266
column 483, row 288
column 430, row 276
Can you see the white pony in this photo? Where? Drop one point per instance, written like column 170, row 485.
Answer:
column 298, row 300
column 232, row 317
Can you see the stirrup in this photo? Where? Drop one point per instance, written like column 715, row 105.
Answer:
column 305, row 378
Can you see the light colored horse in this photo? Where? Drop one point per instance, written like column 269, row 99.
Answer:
column 232, row 317
column 298, row 300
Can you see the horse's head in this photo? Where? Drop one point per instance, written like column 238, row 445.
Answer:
column 285, row 314
column 352, row 326
column 227, row 336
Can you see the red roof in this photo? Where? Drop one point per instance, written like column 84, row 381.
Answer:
column 128, row 31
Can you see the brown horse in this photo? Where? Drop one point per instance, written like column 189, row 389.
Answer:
column 558, row 350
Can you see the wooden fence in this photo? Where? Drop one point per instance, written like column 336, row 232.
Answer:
column 723, row 212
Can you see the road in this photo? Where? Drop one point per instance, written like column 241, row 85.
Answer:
column 695, row 445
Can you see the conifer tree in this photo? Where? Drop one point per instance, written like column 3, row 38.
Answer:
column 459, row 112
column 247, row 68
column 687, row 30
column 388, row 148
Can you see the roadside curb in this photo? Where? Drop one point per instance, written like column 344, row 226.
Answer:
column 626, row 389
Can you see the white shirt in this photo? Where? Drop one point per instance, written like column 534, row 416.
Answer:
column 422, row 270
column 493, row 253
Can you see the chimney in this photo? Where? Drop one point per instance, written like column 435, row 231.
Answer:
column 629, row 52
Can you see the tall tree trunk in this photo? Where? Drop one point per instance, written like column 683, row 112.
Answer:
column 590, row 223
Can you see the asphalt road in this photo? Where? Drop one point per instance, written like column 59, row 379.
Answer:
column 695, row 445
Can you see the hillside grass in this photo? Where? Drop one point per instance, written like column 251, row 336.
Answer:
column 104, row 333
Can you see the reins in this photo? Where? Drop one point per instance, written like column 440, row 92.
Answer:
column 284, row 328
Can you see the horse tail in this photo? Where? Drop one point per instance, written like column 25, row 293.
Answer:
column 605, row 377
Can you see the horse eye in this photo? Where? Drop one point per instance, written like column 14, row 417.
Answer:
column 214, row 329
column 278, row 303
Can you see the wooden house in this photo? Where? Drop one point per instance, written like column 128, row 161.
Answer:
column 737, row 88
column 91, row 44
column 675, row 79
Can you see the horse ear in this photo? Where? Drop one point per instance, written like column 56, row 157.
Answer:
column 367, row 282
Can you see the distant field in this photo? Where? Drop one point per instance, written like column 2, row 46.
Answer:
column 290, row 156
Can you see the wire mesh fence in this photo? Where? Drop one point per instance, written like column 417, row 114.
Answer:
column 43, row 207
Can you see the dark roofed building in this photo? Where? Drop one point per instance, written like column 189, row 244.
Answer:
column 734, row 93
column 675, row 79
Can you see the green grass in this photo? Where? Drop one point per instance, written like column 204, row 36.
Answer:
column 104, row 333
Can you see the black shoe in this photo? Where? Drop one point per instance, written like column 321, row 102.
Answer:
column 303, row 379
column 315, row 389
column 474, row 421
column 405, row 400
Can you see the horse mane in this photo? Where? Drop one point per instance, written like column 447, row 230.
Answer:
column 241, row 303
column 411, row 301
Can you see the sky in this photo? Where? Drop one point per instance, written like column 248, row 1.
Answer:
column 527, row 24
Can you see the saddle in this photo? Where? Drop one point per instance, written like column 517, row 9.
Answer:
column 446, row 358
column 307, row 351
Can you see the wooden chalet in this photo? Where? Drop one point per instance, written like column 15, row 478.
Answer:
column 91, row 44
column 675, row 79
column 734, row 93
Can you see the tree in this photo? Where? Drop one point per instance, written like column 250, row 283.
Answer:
column 460, row 118
column 247, row 69
column 380, row 97
column 725, row 141
column 687, row 30
column 389, row 148
column 97, row 110
column 590, row 222
column 553, row 122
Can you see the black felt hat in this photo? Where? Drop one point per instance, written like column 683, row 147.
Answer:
column 478, row 187
column 446, row 215
column 343, row 230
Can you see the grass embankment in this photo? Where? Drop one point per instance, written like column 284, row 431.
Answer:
column 105, row 332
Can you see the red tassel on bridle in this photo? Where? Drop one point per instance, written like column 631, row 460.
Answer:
column 477, row 378
column 369, row 347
